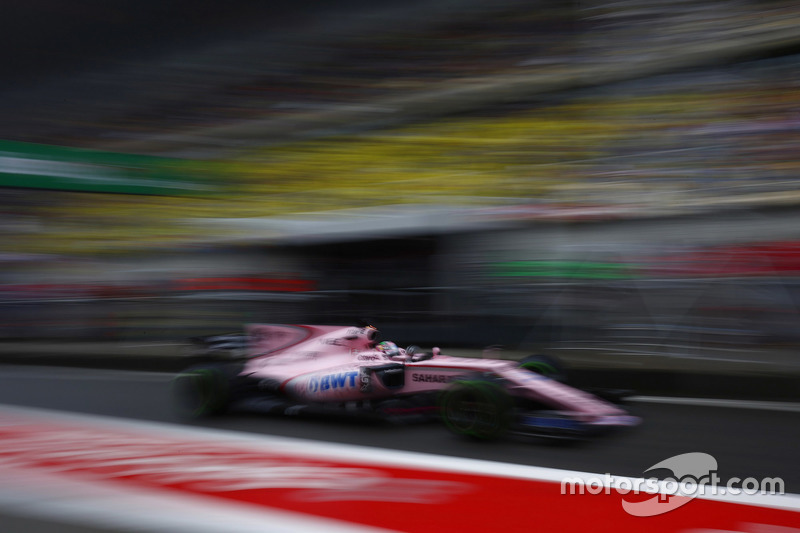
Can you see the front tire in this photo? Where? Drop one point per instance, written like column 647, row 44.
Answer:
column 478, row 409
column 546, row 366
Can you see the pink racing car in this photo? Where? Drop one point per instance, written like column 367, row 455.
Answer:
column 306, row 369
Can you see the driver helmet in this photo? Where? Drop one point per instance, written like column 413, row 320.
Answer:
column 388, row 348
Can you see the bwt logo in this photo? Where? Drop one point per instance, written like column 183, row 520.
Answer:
column 341, row 380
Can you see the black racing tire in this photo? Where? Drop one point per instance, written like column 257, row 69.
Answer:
column 546, row 366
column 203, row 390
column 478, row 408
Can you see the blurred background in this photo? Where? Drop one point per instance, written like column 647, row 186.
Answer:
column 609, row 181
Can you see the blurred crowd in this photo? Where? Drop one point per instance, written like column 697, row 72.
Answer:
column 646, row 107
column 657, row 107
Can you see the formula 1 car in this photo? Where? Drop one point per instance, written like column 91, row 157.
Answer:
column 309, row 369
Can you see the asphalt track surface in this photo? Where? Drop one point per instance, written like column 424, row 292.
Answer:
column 746, row 441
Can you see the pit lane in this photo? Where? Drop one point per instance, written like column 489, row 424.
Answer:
column 748, row 440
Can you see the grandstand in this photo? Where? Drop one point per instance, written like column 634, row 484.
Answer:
column 660, row 106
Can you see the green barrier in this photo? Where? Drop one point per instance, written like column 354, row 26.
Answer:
column 38, row 166
column 562, row 269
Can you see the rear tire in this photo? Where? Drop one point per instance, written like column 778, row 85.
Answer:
column 203, row 390
column 476, row 408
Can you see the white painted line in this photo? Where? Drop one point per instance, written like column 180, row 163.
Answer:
column 130, row 508
column 152, row 344
column 790, row 407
